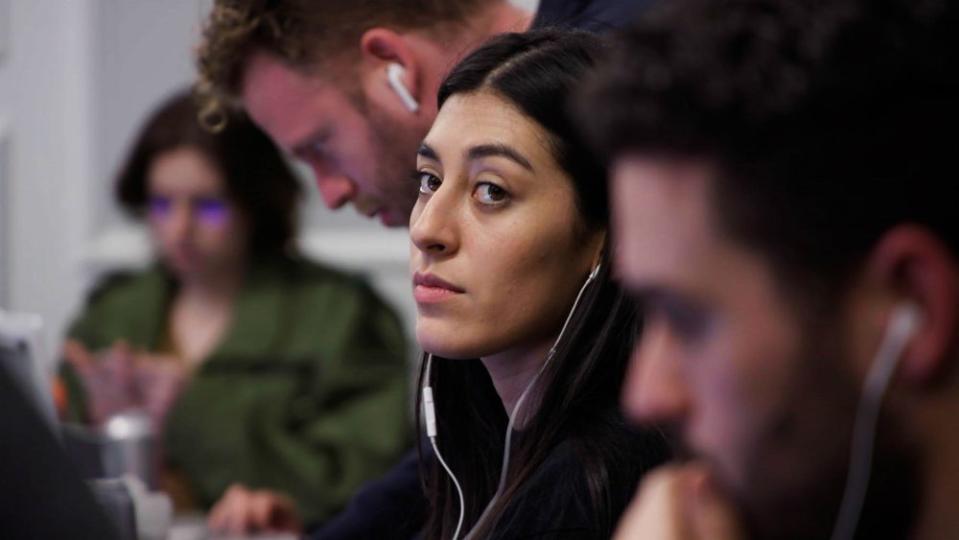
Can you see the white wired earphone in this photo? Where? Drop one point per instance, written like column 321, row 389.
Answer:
column 429, row 413
column 902, row 326
column 394, row 76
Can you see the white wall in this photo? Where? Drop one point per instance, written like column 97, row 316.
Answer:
column 45, row 105
column 141, row 52
column 4, row 156
column 526, row 4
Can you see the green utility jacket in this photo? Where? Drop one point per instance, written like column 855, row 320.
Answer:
column 306, row 394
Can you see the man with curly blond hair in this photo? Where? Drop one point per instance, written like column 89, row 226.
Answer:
column 317, row 76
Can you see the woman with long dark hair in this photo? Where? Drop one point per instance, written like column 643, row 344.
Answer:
column 526, row 335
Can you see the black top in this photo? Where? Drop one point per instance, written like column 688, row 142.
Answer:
column 392, row 506
column 553, row 504
column 556, row 503
column 592, row 15
column 540, row 510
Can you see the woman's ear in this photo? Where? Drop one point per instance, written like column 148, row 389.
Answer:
column 919, row 269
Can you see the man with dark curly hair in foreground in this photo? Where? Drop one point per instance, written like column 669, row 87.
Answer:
column 783, row 179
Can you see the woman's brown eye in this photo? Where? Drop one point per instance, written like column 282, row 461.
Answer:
column 487, row 193
column 428, row 183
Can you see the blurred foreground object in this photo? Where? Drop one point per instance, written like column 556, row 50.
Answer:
column 21, row 354
column 137, row 512
column 42, row 495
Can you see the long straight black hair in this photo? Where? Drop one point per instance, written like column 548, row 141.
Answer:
column 577, row 396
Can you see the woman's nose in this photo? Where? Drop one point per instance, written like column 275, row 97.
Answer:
column 434, row 226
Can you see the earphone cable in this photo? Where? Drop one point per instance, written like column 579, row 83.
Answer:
column 864, row 430
column 456, row 483
column 522, row 399
column 429, row 412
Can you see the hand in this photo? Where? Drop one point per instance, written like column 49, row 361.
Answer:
column 679, row 502
column 159, row 380
column 119, row 379
column 108, row 380
column 242, row 510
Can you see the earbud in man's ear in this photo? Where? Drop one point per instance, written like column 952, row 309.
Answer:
column 903, row 324
column 394, row 75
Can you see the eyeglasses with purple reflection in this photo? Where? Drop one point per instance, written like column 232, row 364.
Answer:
column 207, row 210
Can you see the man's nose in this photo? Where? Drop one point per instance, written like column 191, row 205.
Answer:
column 655, row 390
column 336, row 190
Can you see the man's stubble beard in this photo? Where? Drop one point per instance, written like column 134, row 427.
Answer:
column 803, row 508
column 395, row 168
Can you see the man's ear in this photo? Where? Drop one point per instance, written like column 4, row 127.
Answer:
column 919, row 268
column 379, row 47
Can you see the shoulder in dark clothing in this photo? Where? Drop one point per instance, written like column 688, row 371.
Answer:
column 109, row 282
column 554, row 503
column 391, row 507
column 557, row 502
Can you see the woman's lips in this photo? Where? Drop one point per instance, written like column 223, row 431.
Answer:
column 428, row 288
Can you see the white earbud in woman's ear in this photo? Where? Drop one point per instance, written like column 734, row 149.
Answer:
column 394, row 75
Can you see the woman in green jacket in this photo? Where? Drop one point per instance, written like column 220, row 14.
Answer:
column 266, row 374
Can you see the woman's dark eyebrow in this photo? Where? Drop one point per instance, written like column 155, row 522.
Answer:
column 427, row 152
column 482, row 151
column 501, row 150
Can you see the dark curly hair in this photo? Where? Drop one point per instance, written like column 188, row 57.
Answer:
column 302, row 33
column 827, row 122
column 257, row 178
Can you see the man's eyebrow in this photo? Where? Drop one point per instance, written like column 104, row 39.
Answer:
column 499, row 150
column 426, row 151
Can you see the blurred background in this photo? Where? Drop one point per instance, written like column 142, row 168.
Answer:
column 76, row 79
